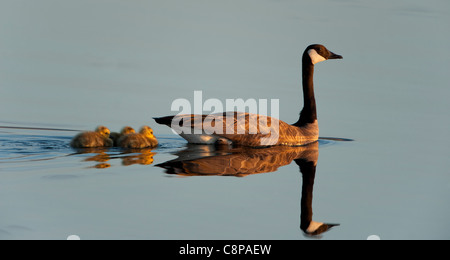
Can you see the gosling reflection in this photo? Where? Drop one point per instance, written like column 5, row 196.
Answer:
column 240, row 162
column 137, row 156
column 103, row 156
column 99, row 156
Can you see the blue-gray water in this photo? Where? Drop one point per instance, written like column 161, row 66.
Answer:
column 78, row 64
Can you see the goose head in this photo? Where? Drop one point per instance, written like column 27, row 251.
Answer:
column 317, row 53
column 103, row 130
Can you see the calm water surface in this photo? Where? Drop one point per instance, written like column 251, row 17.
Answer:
column 80, row 64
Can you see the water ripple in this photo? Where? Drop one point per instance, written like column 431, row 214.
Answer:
column 20, row 149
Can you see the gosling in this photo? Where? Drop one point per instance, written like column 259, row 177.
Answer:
column 143, row 139
column 116, row 136
column 99, row 138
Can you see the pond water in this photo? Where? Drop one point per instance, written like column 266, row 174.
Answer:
column 75, row 65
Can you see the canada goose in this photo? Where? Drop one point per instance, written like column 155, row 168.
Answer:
column 99, row 138
column 210, row 129
column 143, row 139
column 125, row 131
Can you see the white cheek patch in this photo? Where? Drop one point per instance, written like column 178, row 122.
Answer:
column 315, row 57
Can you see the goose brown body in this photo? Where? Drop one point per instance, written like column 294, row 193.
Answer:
column 268, row 132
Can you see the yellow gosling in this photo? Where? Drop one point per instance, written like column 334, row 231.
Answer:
column 143, row 139
column 116, row 136
column 148, row 133
column 99, row 138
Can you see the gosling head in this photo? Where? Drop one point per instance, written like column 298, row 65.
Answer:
column 127, row 130
column 103, row 130
column 317, row 53
column 147, row 131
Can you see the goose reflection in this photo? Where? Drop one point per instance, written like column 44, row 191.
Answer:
column 209, row 160
column 307, row 224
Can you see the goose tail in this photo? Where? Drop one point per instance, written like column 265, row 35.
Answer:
column 166, row 120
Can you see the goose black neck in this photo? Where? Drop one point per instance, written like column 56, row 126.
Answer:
column 308, row 114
